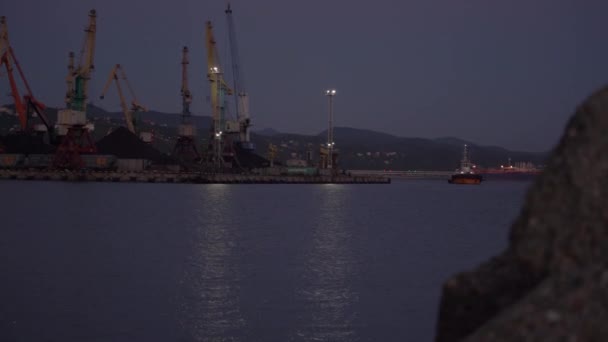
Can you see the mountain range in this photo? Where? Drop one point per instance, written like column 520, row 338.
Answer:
column 358, row 148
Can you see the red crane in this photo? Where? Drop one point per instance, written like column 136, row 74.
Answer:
column 24, row 106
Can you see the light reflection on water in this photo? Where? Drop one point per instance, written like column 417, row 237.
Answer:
column 326, row 292
column 211, row 302
column 238, row 262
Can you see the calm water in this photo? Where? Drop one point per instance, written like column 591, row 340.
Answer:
column 163, row 262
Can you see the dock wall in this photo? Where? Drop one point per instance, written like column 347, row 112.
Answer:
column 183, row 177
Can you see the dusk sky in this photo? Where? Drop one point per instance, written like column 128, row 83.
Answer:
column 506, row 73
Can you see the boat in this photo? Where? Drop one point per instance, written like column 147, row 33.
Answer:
column 465, row 175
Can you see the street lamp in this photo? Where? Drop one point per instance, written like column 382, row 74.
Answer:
column 330, row 93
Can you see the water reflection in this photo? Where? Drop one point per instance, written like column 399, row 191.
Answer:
column 326, row 291
column 210, row 304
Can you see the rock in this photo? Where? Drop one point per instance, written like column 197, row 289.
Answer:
column 562, row 230
column 565, row 307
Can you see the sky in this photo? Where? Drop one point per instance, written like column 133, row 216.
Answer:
column 507, row 73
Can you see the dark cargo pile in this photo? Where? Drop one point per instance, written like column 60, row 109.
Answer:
column 249, row 160
column 126, row 145
column 24, row 144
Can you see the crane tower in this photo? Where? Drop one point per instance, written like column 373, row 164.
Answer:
column 185, row 148
column 221, row 149
column 72, row 121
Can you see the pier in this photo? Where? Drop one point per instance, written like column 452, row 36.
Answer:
column 184, row 177
column 403, row 174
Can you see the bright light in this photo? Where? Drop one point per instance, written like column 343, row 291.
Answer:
column 215, row 69
column 330, row 92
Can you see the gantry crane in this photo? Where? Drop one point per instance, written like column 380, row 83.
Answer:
column 71, row 122
column 185, row 148
column 222, row 130
column 241, row 97
column 116, row 74
column 27, row 105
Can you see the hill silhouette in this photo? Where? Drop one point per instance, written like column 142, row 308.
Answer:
column 359, row 148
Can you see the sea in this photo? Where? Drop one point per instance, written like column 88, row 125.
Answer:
column 210, row 262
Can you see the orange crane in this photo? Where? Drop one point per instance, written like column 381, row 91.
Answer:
column 116, row 74
column 26, row 105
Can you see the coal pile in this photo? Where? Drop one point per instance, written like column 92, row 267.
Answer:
column 247, row 159
column 21, row 143
column 126, row 145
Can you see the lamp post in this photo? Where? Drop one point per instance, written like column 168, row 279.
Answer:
column 330, row 93
column 217, row 115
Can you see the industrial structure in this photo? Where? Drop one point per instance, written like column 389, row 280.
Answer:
column 72, row 121
column 328, row 153
column 185, row 149
column 26, row 107
column 131, row 113
column 127, row 153
column 241, row 97
column 220, row 151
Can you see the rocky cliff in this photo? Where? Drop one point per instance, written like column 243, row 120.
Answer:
column 551, row 284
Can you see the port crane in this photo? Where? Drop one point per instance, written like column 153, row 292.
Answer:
column 185, row 148
column 71, row 121
column 222, row 130
column 117, row 74
column 241, row 97
column 25, row 106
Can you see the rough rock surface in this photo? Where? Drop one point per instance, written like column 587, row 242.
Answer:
column 550, row 284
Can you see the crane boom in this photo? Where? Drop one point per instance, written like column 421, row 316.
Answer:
column 82, row 73
column 242, row 98
column 5, row 59
column 135, row 105
column 185, row 90
column 219, row 87
column 213, row 61
column 29, row 98
column 23, row 106
column 236, row 71
column 3, row 35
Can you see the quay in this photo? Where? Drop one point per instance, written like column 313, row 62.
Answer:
column 403, row 174
column 185, row 177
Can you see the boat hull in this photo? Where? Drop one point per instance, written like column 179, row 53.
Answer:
column 472, row 179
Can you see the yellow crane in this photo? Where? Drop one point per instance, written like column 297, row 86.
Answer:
column 72, row 122
column 219, row 89
column 78, row 78
column 116, row 74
